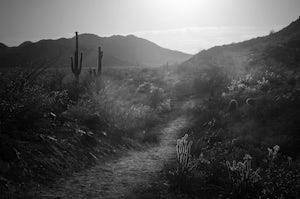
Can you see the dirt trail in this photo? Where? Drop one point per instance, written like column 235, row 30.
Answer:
column 116, row 178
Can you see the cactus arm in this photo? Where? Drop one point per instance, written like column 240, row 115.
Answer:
column 72, row 64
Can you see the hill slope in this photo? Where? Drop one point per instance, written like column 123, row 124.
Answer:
column 118, row 50
column 281, row 48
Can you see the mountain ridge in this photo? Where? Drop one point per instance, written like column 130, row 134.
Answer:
column 118, row 50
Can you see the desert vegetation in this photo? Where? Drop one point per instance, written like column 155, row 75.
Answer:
column 57, row 121
column 223, row 124
column 243, row 141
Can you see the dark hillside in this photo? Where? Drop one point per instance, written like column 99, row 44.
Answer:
column 281, row 48
column 119, row 51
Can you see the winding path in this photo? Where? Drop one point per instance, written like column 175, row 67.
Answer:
column 116, row 178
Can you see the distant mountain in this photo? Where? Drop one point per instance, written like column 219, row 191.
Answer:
column 118, row 51
column 282, row 47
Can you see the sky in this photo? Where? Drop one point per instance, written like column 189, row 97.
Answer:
column 184, row 25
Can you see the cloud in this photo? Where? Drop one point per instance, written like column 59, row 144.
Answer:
column 194, row 39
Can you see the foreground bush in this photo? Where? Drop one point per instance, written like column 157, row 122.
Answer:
column 24, row 105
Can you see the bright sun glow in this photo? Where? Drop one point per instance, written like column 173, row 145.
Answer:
column 182, row 11
column 176, row 7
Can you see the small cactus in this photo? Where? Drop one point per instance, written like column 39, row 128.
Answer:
column 273, row 153
column 183, row 149
column 233, row 105
column 241, row 173
column 76, row 65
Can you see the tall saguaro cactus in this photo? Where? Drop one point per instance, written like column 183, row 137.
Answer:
column 100, row 56
column 76, row 65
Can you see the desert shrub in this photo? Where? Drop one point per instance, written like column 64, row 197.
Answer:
column 154, row 93
column 24, row 105
column 116, row 106
column 165, row 106
column 275, row 111
column 206, row 80
column 52, row 80
column 182, row 89
column 156, row 96
column 85, row 112
column 138, row 117
column 281, row 182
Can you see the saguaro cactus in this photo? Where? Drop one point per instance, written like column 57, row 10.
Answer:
column 100, row 56
column 76, row 65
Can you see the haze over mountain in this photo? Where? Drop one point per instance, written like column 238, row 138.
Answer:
column 282, row 47
column 118, row 51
